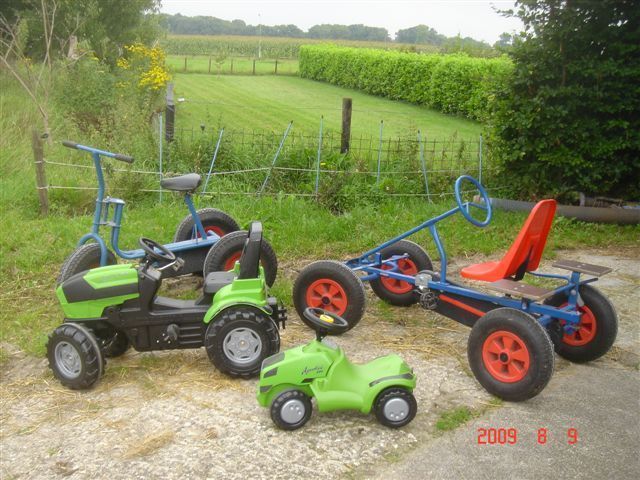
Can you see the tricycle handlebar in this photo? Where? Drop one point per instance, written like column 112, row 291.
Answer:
column 117, row 156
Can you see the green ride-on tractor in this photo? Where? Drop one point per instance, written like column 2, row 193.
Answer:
column 108, row 309
column 320, row 370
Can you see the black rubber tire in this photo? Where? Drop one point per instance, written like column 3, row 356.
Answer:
column 240, row 317
column 606, row 326
column 418, row 256
column 83, row 258
column 281, row 400
column 114, row 345
column 210, row 217
column 88, row 349
column 389, row 394
column 343, row 276
column 536, row 340
column 232, row 244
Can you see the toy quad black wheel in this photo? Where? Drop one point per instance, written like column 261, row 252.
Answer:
column 397, row 292
column 395, row 407
column 224, row 254
column 113, row 343
column 74, row 356
column 510, row 354
column 291, row 409
column 239, row 339
column 596, row 331
column 213, row 221
column 83, row 258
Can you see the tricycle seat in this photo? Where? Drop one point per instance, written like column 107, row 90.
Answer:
column 526, row 251
column 183, row 183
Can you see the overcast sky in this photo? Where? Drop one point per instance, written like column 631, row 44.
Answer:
column 473, row 18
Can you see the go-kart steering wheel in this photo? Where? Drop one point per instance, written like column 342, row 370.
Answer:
column 157, row 252
column 464, row 205
column 325, row 323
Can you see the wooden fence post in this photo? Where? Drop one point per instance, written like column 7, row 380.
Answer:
column 170, row 114
column 346, row 124
column 185, row 63
column 232, row 66
column 254, row 66
column 275, row 72
column 209, row 63
column 41, row 179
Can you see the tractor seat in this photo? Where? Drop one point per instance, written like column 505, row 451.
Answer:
column 526, row 251
column 249, row 263
column 183, row 183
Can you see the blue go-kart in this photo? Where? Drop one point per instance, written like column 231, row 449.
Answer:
column 207, row 240
column 514, row 332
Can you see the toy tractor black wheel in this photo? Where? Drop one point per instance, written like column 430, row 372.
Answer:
column 224, row 254
column 596, row 331
column 83, row 258
column 213, row 220
column 114, row 344
column 239, row 339
column 510, row 354
column 395, row 407
column 331, row 286
column 291, row 409
column 397, row 292
column 74, row 356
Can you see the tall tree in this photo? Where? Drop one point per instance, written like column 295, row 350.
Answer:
column 569, row 120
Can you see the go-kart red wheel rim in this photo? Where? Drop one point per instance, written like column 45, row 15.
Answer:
column 231, row 261
column 209, row 229
column 405, row 267
column 327, row 294
column 586, row 330
column 506, row 356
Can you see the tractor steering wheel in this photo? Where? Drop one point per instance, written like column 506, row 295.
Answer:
column 464, row 206
column 157, row 252
column 324, row 322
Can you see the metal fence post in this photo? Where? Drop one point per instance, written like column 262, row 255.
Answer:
column 379, row 153
column 480, row 160
column 275, row 157
column 319, row 157
column 41, row 179
column 160, row 142
column 423, row 164
column 213, row 160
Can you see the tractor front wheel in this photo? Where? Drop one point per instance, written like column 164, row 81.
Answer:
column 395, row 407
column 291, row 409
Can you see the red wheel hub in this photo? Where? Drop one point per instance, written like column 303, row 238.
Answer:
column 585, row 331
column 406, row 267
column 209, row 229
column 327, row 294
column 231, row 261
column 506, row 356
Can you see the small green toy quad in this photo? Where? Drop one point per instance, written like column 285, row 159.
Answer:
column 290, row 379
column 108, row 309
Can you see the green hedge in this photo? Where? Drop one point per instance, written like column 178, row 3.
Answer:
column 453, row 83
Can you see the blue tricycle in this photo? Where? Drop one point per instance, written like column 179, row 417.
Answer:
column 513, row 336
column 197, row 240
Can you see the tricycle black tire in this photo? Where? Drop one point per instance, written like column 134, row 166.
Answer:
column 510, row 354
column 74, row 340
column 211, row 218
column 83, row 258
column 389, row 394
column 345, row 295
column 227, row 250
column 242, row 321
column 300, row 401
column 591, row 343
column 397, row 292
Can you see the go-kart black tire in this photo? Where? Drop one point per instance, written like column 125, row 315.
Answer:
column 388, row 418
column 224, row 253
column 211, row 218
column 588, row 344
column 83, row 258
column 518, row 352
column 114, row 345
column 299, row 406
column 397, row 292
column 344, row 291
column 72, row 341
column 245, row 323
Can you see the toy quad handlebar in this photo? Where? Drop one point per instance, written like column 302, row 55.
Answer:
column 117, row 156
column 325, row 322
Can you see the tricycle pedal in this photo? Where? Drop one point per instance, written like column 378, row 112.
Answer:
column 581, row 267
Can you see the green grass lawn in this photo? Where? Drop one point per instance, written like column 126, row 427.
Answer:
column 231, row 65
column 270, row 102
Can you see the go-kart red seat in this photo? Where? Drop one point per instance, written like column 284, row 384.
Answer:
column 525, row 253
